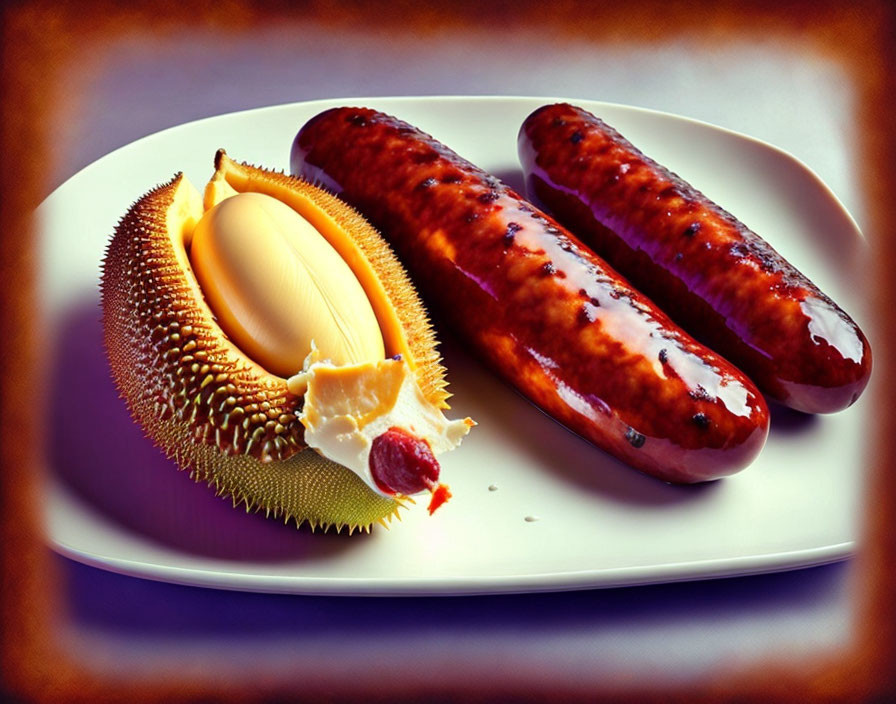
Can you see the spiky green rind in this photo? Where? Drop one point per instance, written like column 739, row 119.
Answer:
column 210, row 409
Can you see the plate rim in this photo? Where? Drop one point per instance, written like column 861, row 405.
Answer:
column 539, row 582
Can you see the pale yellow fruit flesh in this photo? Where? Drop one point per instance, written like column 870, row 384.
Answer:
column 277, row 287
column 402, row 320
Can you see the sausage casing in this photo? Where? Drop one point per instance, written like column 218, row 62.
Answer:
column 542, row 310
column 716, row 278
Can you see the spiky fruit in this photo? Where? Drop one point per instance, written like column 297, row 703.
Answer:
column 210, row 407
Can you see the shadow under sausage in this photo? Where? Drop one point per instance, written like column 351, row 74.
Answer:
column 787, row 421
column 513, row 178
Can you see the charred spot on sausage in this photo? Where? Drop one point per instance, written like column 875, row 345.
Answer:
column 586, row 314
column 510, row 233
column 738, row 250
column 699, row 394
column 635, row 438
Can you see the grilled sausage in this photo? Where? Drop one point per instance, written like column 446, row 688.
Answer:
column 717, row 279
column 538, row 307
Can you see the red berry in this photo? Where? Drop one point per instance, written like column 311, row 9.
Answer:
column 401, row 463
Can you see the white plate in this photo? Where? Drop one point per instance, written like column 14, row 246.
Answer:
column 114, row 502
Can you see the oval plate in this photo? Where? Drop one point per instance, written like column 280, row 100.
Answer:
column 535, row 508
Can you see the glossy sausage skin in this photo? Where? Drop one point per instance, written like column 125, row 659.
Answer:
column 539, row 308
column 712, row 275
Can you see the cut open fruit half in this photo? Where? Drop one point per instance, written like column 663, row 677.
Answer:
column 263, row 317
